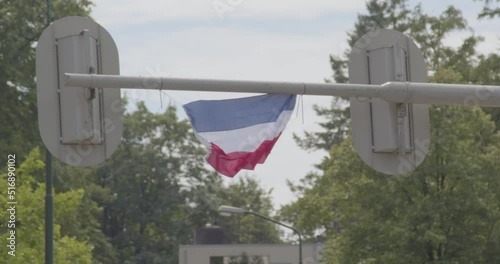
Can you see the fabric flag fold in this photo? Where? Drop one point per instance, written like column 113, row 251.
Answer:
column 240, row 133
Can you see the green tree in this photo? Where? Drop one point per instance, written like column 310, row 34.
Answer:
column 446, row 211
column 29, row 222
column 487, row 71
column 429, row 33
column 488, row 10
column 86, row 222
column 153, row 174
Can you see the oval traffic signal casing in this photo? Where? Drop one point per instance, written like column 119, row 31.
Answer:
column 392, row 138
column 79, row 126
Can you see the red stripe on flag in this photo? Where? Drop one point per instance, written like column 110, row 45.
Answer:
column 230, row 164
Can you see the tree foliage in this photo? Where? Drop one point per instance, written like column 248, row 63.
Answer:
column 86, row 222
column 488, row 10
column 29, row 224
column 152, row 175
column 448, row 210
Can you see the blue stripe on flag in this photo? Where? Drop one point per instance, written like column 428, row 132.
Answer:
column 222, row 115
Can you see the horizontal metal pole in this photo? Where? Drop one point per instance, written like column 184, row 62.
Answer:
column 397, row 92
column 454, row 94
column 207, row 85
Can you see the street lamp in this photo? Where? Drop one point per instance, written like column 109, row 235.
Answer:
column 228, row 210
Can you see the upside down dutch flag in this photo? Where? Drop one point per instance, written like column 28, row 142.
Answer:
column 240, row 133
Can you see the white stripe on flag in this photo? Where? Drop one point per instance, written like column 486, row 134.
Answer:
column 246, row 139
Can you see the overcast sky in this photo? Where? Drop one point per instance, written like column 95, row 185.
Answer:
column 273, row 40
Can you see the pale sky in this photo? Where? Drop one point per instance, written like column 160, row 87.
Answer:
column 269, row 40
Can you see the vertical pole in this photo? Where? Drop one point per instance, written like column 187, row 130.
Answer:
column 300, row 248
column 49, row 213
column 49, row 12
column 49, row 201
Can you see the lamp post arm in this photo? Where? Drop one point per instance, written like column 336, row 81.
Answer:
column 274, row 221
column 284, row 225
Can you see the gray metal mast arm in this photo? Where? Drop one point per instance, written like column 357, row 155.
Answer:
column 397, row 92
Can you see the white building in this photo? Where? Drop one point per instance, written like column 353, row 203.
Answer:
column 257, row 253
